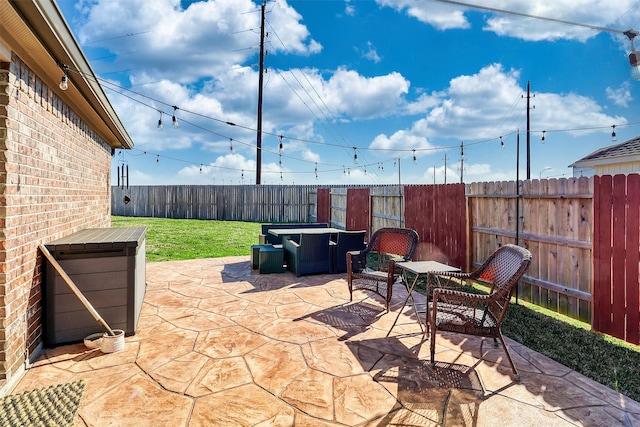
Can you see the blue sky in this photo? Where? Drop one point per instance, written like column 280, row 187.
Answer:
column 396, row 79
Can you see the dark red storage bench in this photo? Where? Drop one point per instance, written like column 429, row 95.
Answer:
column 108, row 267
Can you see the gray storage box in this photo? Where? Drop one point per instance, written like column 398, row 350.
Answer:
column 108, row 266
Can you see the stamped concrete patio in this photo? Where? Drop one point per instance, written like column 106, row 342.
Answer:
column 220, row 345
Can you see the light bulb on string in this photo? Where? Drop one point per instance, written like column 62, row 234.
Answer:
column 415, row 160
column 614, row 138
column 281, row 146
column 174, row 119
column 316, row 170
column 160, row 121
column 231, row 144
column 355, row 156
column 501, row 143
column 64, row 81
column 543, row 132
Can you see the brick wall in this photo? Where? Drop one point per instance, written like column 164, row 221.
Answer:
column 54, row 180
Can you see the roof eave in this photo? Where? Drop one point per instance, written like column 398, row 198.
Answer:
column 59, row 47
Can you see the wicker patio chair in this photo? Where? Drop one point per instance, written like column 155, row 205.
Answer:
column 481, row 315
column 373, row 269
column 311, row 255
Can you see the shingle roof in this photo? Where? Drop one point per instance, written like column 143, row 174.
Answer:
column 624, row 149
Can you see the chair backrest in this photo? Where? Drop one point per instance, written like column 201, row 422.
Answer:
column 401, row 242
column 503, row 267
column 502, row 271
column 351, row 241
column 314, row 246
column 277, row 240
column 347, row 241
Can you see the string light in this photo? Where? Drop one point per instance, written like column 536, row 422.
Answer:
column 355, row 155
column 543, row 132
column 316, row 170
column 231, row 144
column 64, row 81
column 614, row 138
column 121, row 89
column 280, row 147
column 415, row 160
column 174, row 119
column 324, row 143
column 200, row 168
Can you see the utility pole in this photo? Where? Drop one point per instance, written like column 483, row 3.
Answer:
column 461, row 162
column 445, row 168
column 260, row 82
column 529, row 129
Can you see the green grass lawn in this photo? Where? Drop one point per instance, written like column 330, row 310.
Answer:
column 179, row 239
column 602, row 358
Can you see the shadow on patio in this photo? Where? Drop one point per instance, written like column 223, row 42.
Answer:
column 219, row 344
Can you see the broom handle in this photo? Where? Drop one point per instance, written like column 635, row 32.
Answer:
column 75, row 290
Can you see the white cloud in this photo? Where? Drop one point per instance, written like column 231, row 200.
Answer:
column 184, row 45
column 620, row 96
column 618, row 14
column 371, row 54
column 441, row 16
column 473, row 105
column 361, row 97
column 350, row 10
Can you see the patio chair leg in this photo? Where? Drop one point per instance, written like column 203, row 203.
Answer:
column 433, row 346
column 506, row 351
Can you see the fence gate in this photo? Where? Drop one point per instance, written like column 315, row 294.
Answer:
column 438, row 214
column 616, row 297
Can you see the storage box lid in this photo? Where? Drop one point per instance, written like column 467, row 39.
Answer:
column 91, row 239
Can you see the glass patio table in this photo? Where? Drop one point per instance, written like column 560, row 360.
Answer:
column 292, row 231
column 412, row 273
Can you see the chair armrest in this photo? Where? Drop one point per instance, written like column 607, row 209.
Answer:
column 356, row 261
column 450, row 295
column 290, row 245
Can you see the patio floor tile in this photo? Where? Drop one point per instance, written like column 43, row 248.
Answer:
column 217, row 344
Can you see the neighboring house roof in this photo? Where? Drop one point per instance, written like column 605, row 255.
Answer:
column 38, row 33
column 625, row 152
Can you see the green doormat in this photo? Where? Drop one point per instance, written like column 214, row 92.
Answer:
column 49, row 406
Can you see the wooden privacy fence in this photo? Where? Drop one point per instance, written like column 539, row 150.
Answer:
column 437, row 213
column 551, row 218
column 616, row 255
column 583, row 232
column 254, row 203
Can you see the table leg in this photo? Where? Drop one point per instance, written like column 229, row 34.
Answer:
column 404, row 304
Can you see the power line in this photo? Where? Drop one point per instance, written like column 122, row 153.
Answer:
column 527, row 15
